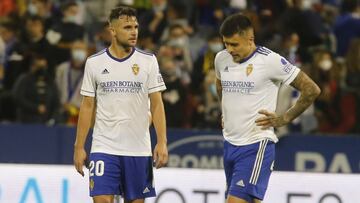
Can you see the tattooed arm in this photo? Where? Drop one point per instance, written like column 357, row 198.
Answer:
column 309, row 91
column 219, row 89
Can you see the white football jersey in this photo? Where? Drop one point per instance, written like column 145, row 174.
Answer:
column 248, row 87
column 122, row 88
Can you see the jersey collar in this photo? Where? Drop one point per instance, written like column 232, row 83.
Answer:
column 251, row 55
column 122, row 59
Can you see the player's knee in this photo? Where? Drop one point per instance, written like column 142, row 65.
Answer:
column 103, row 199
column 233, row 199
column 135, row 201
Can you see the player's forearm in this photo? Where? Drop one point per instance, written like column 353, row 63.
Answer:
column 159, row 121
column 309, row 91
column 84, row 124
column 219, row 89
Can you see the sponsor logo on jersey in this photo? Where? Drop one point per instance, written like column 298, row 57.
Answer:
column 135, row 69
column 243, row 87
column 121, row 86
column 249, row 69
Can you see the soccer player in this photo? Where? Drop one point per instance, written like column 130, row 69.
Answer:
column 247, row 80
column 117, row 84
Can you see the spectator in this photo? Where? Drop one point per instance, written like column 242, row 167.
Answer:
column 14, row 54
column 205, row 62
column 335, row 108
column 35, row 41
column 36, row 94
column 67, row 31
column 155, row 20
column 347, row 26
column 69, row 79
column 174, row 96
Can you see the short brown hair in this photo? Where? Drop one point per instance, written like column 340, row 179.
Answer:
column 120, row 11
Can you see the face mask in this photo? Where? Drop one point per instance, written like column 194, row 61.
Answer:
column 293, row 49
column 216, row 47
column 306, row 4
column 178, row 42
column 70, row 19
column 325, row 65
column 159, row 8
column 212, row 89
column 78, row 55
column 32, row 9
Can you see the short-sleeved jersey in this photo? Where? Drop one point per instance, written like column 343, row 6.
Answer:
column 248, row 87
column 121, row 88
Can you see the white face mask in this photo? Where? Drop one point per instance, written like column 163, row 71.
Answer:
column 178, row 42
column 78, row 55
column 70, row 19
column 32, row 9
column 216, row 47
column 325, row 65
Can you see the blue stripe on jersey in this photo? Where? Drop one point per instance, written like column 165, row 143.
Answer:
column 122, row 59
column 265, row 50
column 263, row 53
column 156, row 87
column 98, row 53
column 143, row 52
column 251, row 55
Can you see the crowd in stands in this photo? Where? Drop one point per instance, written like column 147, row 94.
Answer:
column 44, row 45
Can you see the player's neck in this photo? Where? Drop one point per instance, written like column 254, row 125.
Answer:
column 119, row 51
column 251, row 50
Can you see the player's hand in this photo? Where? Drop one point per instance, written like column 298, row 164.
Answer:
column 80, row 158
column 160, row 155
column 270, row 119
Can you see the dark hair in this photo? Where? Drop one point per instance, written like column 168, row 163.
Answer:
column 236, row 23
column 35, row 18
column 10, row 26
column 65, row 6
column 121, row 11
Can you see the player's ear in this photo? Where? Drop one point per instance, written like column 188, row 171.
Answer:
column 111, row 29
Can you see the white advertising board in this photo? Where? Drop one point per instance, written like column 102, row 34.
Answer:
column 61, row 184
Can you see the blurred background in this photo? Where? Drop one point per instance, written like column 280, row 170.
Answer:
column 44, row 44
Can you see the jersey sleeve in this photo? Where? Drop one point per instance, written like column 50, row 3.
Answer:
column 88, row 87
column 156, row 82
column 217, row 66
column 282, row 70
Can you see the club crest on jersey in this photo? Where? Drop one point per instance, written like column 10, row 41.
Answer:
column 135, row 69
column 92, row 184
column 249, row 69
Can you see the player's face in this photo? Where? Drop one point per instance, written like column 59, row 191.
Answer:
column 124, row 31
column 239, row 46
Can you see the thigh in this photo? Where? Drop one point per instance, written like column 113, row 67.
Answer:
column 252, row 171
column 228, row 164
column 138, row 178
column 103, row 199
column 104, row 175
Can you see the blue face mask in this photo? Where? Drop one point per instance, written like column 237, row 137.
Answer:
column 212, row 89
